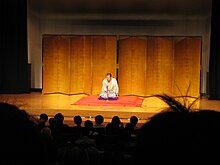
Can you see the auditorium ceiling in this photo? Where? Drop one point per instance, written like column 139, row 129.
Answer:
column 122, row 9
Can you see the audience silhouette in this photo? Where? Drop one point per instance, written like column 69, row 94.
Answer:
column 99, row 126
column 99, row 119
column 51, row 144
column 131, row 127
column 20, row 141
column 115, row 127
column 179, row 135
column 87, row 131
column 78, row 128
column 60, row 120
column 42, row 120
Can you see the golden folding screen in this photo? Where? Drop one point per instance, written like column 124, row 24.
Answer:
column 132, row 66
column 146, row 65
column 77, row 64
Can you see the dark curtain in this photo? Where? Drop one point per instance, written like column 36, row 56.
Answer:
column 214, row 63
column 13, row 53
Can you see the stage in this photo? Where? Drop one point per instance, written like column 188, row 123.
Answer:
column 36, row 103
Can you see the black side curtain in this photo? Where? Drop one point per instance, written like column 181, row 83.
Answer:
column 13, row 53
column 214, row 63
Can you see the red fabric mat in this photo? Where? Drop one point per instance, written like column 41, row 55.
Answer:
column 127, row 101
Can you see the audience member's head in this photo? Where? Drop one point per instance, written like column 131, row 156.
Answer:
column 52, row 122
column 44, row 117
column 20, row 141
column 77, row 120
column 116, row 121
column 133, row 120
column 46, row 132
column 60, row 119
column 42, row 120
column 99, row 119
column 88, row 126
column 73, row 154
column 180, row 136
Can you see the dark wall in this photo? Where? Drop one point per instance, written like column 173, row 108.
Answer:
column 214, row 65
column 13, row 54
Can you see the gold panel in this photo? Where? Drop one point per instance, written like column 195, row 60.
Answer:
column 187, row 67
column 132, row 66
column 159, row 65
column 103, row 60
column 49, row 66
column 80, row 65
column 55, row 63
column 63, row 64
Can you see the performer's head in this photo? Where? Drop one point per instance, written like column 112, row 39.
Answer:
column 108, row 77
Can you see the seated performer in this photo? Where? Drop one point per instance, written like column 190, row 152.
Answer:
column 109, row 88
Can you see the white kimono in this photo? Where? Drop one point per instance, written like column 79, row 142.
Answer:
column 112, row 87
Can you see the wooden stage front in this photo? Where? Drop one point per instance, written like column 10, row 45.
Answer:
column 36, row 103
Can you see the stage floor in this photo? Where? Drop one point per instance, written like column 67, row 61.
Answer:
column 36, row 103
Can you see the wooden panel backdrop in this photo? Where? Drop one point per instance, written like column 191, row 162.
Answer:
column 49, row 65
column 132, row 66
column 55, row 63
column 63, row 65
column 103, row 60
column 80, row 65
column 187, row 67
column 147, row 66
column 159, row 65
